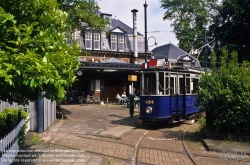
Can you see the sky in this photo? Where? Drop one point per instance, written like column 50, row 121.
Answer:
column 158, row 29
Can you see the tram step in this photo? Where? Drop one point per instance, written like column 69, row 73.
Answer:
column 177, row 121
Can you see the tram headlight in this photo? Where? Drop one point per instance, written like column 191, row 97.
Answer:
column 149, row 110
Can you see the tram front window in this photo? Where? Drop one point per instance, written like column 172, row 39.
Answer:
column 150, row 83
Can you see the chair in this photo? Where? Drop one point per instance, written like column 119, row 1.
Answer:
column 118, row 101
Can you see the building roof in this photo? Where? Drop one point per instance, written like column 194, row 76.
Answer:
column 174, row 54
column 117, row 23
column 118, row 27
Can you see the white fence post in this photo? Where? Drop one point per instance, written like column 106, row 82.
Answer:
column 9, row 145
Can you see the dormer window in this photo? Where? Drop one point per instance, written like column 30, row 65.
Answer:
column 88, row 40
column 121, row 43
column 113, row 42
column 117, row 40
column 96, row 41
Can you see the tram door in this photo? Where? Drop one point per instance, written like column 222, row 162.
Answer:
column 177, row 94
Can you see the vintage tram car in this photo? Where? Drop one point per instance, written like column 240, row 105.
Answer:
column 168, row 93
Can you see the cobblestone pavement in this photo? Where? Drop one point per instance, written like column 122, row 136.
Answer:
column 101, row 134
column 203, row 157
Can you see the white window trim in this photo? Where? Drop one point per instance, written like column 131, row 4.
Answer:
column 113, row 37
column 88, row 38
column 121, row 42
column 97, row 40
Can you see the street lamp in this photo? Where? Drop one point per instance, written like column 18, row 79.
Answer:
column 154, row 43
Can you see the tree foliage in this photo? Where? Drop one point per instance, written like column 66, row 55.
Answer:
column 231, row 27
column 188, row 19
column 34, row 53
column 80, row 11
column 227, row 23
column 225, row 92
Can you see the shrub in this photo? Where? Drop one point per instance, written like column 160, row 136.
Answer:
column 225, row 93
column 14, row 122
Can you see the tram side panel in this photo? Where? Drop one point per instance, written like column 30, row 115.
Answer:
column 166, row 107
column 160, row 108
column 191, row 106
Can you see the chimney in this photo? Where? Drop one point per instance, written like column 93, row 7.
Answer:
column 134, row 11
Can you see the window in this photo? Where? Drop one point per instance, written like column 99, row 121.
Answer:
column 113, row 42
column 97, row 41
column 172, row 85
column 121, row 43
column 181, row 85
column 194, row 86
column 88, row 40
column 149, row 84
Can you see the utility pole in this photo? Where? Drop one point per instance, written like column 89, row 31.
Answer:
column 205, row 42
column 146, row 40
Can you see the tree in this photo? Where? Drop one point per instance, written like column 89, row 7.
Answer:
column 225, row 93
column 34, row 53
column 231, row 27
column 188, row 19
column 80, row 11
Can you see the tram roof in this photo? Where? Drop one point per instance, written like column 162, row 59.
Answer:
column 177, row 69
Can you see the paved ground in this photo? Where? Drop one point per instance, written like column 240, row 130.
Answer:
column 101, row 134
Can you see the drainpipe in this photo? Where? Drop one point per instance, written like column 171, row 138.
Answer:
column 134, row 11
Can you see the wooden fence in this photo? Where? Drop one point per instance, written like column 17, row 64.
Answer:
column 49, row 113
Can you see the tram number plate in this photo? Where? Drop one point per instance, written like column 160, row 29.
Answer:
column 149, row 101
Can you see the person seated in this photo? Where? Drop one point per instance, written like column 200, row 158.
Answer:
column 118, row 98
column 124, row 94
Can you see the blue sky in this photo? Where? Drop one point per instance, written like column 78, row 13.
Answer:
column 121, row 9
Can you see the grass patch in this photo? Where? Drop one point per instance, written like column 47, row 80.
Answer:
column 110, row 160
column 36, row 139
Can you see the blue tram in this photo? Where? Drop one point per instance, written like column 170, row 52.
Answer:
column 168, row 94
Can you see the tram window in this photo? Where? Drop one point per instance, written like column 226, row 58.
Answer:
column 161, row 83
column 167, row 86
column 181, row 87
column 150, row 83
column 195, row 86
column 188, row 85
column 171, row 85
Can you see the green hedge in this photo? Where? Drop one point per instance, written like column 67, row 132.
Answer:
column 14, row 122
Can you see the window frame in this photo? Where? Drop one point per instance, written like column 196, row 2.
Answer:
column 98, row 40
column 88, row 38
column 120, row 42
column 112, row 37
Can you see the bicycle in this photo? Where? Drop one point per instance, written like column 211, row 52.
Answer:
column 91, row 99
column 81, row 100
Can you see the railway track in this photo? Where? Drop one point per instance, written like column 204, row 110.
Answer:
column 152, row 146
column 163, row 136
